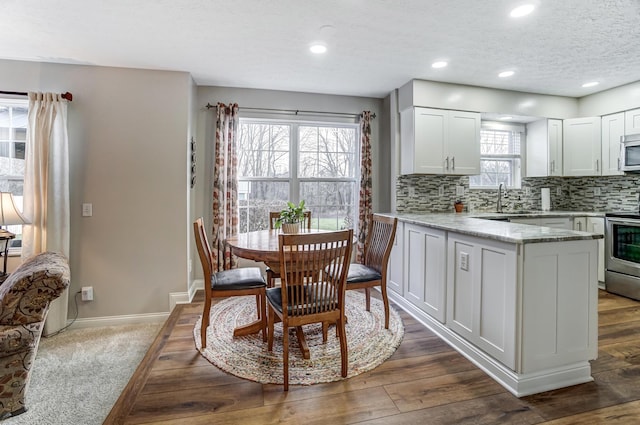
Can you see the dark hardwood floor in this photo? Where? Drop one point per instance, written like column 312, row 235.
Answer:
column 424, row 382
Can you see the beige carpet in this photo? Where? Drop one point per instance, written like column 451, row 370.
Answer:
column 369, row 344
column 78, row 375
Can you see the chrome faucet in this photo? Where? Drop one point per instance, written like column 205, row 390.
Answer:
column 499, row 206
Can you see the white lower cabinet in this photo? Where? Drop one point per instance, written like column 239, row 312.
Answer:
column 424, row 269
column 396, row 259
column 481, row 294
column 524, row 313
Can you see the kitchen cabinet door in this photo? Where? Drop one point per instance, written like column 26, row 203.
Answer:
column 423, row 135
column 580, row 224
column 463, row 146
column 632, row 122
column 544, row 148
column 581, row 139
column 425, row 269
column 612, row 131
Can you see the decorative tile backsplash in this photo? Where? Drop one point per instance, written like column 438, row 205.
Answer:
column 435, row 193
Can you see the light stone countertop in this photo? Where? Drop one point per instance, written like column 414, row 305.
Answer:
column 482, row 225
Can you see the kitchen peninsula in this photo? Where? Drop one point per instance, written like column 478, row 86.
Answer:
column 519, row 301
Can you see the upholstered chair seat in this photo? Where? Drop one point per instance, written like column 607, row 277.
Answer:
column 236, row 279
column 361, row 273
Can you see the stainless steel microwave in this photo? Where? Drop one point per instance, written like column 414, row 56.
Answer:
column 630, row 153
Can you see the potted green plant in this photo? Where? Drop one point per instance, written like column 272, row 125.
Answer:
column 291, row 217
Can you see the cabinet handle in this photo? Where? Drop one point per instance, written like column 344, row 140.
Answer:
column 553, row 164
column 580, row 226
column 597, row 165
column 446, row 167
column 453, row 163
column 618, row 164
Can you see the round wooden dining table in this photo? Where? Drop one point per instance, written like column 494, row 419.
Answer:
column 260, row 245
column 264, row 246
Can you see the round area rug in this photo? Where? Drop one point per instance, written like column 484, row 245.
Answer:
column 368, row 343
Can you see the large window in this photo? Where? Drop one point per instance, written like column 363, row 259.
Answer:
column 499, row 156
column 280, row 161
column 13, row 137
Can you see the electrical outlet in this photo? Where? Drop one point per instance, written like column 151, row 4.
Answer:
column 87, row 210
column 596, row 191
column 559, row 191
column 441, row 191
column 87, row 293
column 459, row 190
column 412, row 191
column 464, row 261
column 527, row 191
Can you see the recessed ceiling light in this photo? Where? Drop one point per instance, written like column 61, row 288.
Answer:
column 505, row 74
column 439, row 64
column 590, row 84
column 318, row 48
column 522, row 10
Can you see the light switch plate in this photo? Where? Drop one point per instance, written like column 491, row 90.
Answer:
column 87, row 210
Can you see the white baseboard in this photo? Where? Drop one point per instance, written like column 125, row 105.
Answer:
column 128, row 319
column 196, row 284
column 178, row 298
column 516, row 383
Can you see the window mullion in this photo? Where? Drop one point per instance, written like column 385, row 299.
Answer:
column 294, row 148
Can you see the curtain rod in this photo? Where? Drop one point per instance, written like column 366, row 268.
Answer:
column 68, row 96
column 295, row 111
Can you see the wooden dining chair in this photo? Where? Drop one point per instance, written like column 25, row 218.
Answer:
column 227, row 283
column 273, row 270
column 373, row 270
column 313, row 283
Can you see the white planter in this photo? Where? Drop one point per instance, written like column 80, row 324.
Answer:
column 290, row 227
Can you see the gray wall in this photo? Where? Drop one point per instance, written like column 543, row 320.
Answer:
column 128, row 133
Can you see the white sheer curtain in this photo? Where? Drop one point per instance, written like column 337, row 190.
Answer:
column 46, row 188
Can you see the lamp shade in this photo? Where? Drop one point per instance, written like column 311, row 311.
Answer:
column 9, row 214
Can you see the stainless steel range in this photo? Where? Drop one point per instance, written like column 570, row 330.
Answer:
column 622, row 254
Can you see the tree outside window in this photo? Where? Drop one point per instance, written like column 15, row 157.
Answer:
column 280, row 161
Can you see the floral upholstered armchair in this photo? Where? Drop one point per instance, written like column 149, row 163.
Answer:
column 24, row 301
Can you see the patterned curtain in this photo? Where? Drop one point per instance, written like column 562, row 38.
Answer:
column 225, row 185
column 364, row 208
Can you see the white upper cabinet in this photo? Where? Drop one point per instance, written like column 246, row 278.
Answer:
column 544, row 148
column 438, row 141
column 582, row 147
column 632, row 122
column 612, row 130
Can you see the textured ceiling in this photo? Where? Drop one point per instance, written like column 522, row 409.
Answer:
column 374, row 46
